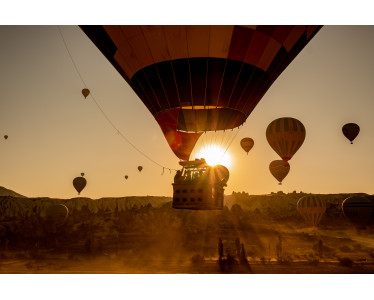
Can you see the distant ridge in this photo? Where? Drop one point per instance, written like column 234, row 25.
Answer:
column 6, row 192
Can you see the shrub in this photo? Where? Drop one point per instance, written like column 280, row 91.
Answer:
column 346, row 262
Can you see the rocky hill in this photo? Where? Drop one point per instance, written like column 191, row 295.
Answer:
column 7, row 192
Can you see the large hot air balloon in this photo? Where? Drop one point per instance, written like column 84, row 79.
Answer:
column 279, row 169
column 350, row 131
column 85, row 92
column 196, row 79
column 247, row 144
column 285, row 136
column 359, row 210
column 56, row 214
column 79, row 184
column 311, row 208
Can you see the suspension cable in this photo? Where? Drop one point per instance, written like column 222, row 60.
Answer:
column 106, row 116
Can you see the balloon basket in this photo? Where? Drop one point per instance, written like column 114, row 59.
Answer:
column 197, row 187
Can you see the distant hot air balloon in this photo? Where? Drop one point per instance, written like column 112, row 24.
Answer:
column 85, row 92
column 359, row 210
column 204, row 78
column 140, row 168
column 279, row 169
column 79, row 184
column 350, row 131
column 126, row 177
column 285, row 136
column 5, row 137
column 82, row 174
column 311, row 208
column 56, row 214
column 247, row 144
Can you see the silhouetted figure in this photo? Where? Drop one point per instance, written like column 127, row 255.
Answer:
column 220, row 249
column 178, row 177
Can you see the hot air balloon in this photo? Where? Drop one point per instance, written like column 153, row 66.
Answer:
column 359, row 210
column 279, row 169
column 85, row 92
column 350, row 131
column 126, row 177
column 285, row 136
column 56, row 214
column 311, row 208
column 79, row 184
column 82, row 174
column 140, row 168
column 5, row 137
column 247, row 144
column 199, row 79
column 196, row 79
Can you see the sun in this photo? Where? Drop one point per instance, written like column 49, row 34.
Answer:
column 214, row 155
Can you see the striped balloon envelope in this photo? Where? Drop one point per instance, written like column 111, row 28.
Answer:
column 195, row 79
column 359, row 210
column 311, row 208
column 285, row 136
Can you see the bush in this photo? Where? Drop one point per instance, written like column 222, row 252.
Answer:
column 346, row 262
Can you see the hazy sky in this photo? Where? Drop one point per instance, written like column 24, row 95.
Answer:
column 55, row 134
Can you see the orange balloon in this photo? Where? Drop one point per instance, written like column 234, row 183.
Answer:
column 247, row 144
column 85, row 92
column 279, row 169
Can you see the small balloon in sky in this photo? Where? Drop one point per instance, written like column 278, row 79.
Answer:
column 85, row 92
column 350, row 131
column 279, row 169
column 5, row 137
column 126, row 177
column 82, row 174
column 247, row 144
column 79, row 183
column 140, row 168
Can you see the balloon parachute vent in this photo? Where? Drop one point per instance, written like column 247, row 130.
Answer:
column 198, row 186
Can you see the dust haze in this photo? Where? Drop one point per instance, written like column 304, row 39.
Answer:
column 131, row 235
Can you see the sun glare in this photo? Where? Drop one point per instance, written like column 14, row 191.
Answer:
column 214, row 155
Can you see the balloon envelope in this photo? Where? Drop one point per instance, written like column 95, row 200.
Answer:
column 140, row 168
column 5, row 137
column 79, row 184
column 311, row 208
column 85, row 92
column 285, row 136
column 359, row 210
column 279, row 169
column 350, row 131
column 247, row 144
column 126, row 177
column 195, row 79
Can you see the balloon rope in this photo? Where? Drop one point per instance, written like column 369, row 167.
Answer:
column 105, row 115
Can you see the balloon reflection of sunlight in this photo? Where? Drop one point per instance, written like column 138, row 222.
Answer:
column 214, row 155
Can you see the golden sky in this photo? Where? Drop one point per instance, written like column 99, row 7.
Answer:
column 55, row 134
